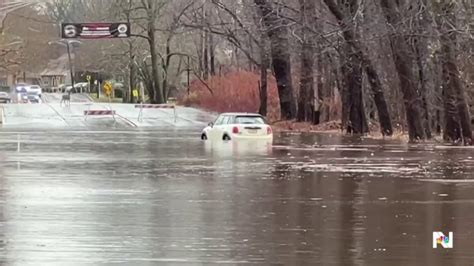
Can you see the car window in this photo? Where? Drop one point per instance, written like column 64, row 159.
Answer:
column 231, row 120
column 219, row 120
column 249, row 120
column 226, row 120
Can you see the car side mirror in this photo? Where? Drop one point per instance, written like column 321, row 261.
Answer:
column 211, row 124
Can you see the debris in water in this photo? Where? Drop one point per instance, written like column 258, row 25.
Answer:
column 316, row 199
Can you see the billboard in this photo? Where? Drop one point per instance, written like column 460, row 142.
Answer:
column 95, row 30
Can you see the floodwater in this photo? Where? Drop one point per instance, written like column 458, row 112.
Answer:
column 134, row 197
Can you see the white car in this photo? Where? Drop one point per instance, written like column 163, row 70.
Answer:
column 238, row 126
column 35, row 89
column 5, row 96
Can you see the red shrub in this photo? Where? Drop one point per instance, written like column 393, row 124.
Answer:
column 233, row 92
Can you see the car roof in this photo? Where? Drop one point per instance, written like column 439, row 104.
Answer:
column 242, row 114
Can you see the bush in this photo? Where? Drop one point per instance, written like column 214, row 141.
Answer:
column 233, row 92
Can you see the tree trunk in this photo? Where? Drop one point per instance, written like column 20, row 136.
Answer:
column 132, row 62
column 355, row 119
column 158, row 93
column 452, row 126
column 404, row 66
column 165, row 67
column 379, row 98
column 205, row 57
column 458, row 120
column 318, row 95
column 131, row 77
column 205, row 44
column 280, row 53
column 306, row 97
column 421, row 65
column 212, row 56
column 420, row 49
column 351, row 37
column 263, row 84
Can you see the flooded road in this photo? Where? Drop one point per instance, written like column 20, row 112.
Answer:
column 135, row 197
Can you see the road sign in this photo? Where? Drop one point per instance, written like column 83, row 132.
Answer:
column 108, row 88
column 89, row 78
column 95, row 30
column 135, row 93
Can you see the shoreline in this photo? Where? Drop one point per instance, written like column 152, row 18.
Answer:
column 334, row 128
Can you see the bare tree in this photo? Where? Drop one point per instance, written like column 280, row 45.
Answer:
column 346, row 22
column 277, row 32
column 306, row 111
column 404, row 65
column 458, row 120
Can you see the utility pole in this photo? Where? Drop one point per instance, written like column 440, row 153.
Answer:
column 99, row 81
column 189, row 69
column 70, row 64
column 68, row 44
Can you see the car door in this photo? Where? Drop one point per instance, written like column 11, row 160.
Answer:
column 224, row 128
column 216, row 129
column 220, row 127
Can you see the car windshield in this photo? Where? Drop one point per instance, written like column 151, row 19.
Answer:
column 249, row 120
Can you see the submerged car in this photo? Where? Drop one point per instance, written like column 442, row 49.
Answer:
column 235, row 126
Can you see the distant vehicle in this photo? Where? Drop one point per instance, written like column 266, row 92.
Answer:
column 81, row 86
column 25, row 88
column 28, row 93
column 21, row 88
column 5, row 95
column 35, row 89
column 238, row 126
column 69, row 89
column 63, row 88
column 33, row 97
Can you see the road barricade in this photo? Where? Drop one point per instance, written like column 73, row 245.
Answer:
column 90, row 112
column 155, row 106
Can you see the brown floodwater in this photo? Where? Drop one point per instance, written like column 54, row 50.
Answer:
column 150, row 197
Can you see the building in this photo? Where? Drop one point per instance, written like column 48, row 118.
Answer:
column 10, row 79
column 56, row 73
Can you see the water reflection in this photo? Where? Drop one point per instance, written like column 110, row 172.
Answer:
column 143, row 197
column 232, row 149
column 3, row 240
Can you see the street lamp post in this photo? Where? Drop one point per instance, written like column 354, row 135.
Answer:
column 68, row 44
column 188, row 70
column 70, row 65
